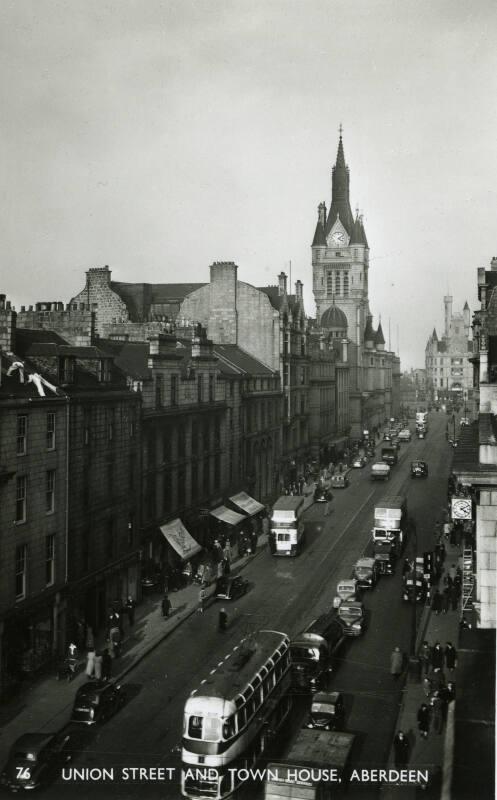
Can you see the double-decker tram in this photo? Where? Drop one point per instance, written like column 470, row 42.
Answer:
column 233, row 715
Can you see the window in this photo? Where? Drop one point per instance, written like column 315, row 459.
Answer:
column 51, row 431
column 104, row 370
column 206, row 477
column 174, row 390
column 181, row 488
column 217, row 433
column 338, row 281
column 50, row 559
column 50, row 492
column 86, row 426
column 166, row 446
column 110, row 424
column 329, row 283
column 195, row 438
column 66, row 369
column 158, row 391
column 132, row 422
column 217, row 471
column 200, row 387
column 166, row 492
column 181, row 441
column 22, row 433
column 206, row 436
column 211, row 389
column 21, row 490
column 345, row 284
column 21, row 559
column 194, row 482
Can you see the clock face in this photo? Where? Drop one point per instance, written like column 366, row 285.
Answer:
column 338, row 237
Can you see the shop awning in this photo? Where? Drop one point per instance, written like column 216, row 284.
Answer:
column 227, row 515
column 247, row 503
column 179, row 539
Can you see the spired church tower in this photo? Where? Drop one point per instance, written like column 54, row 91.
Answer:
column 340, row 256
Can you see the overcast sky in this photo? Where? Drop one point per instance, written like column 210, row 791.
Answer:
column 158, row 137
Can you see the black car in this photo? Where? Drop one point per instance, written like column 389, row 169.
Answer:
column 327, row 711
column 322, row 495
column 419, row 469
column 34, row 760
column 96, row 701
column 229, row 588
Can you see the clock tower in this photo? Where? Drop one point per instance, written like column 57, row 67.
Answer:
column 340, row 255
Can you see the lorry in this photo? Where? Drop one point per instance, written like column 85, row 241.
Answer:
column 389, row 455
column 390, row 521
column 312, row 650
column 380, row 472
column 314, row 768
column 287, row 527
column 421, row 417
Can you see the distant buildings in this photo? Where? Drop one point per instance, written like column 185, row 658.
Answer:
column 475, row 458
column 449, row 372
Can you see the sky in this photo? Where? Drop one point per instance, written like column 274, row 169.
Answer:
column 158, row 137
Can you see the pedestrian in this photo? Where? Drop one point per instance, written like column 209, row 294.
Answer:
column 446, row 599
column 201, row 599
column 427, row 686
column 450, row 656
column 437, row 657
column 401, row 750
column 438, row 681
column 165, row 606
column 425, row 658
column 454, row 596
column 440, row 551
column 424, row 720
column 253, row 541
column 115, row 639
column 130, row 609
column 437, row 712
column 450, row 691
column 222, row 621
column 452, row 572
column 106, row 665
column 265, row 526
column 406, row 567
column 90, row 638
column 396, row 663
column 90, row 663
column 98, row 666
column 327, row 507
column 436, row 602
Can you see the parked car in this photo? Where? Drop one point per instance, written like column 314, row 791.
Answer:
column 97, row 701
column 327, row 711
column 230, row 587
column 419, row 469
column 359, row 462
column 322, row 494
column 366, row 572
column 34, row 760
column 339, row 481
column 351, row 617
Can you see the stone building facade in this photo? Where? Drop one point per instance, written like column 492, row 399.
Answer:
column 70, row 428
column 449, row 372
column 340, row 265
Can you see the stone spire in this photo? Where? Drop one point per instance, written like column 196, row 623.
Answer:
column 340, row 199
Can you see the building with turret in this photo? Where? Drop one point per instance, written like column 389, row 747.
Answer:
column 340, row 265
column 449, row 372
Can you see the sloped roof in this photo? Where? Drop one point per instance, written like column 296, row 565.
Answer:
column 379, row 338
column 240, row 361
column 369, row 334
column 130, row 357
column 140, row 296
column 319, row 236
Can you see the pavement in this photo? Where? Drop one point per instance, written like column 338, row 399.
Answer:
column 435, row 752
column 45, row 704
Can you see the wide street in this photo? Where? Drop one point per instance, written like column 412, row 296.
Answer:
column 285, row 595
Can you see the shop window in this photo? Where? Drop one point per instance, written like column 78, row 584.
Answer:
column 50, row 559
column 50, row 430
column 22, row 434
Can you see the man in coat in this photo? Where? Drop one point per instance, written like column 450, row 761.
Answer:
column 401, row 750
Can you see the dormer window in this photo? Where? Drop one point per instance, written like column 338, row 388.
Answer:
column 104, row 370
column 66, row 369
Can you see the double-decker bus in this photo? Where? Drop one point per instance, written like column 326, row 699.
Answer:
column 233, row 715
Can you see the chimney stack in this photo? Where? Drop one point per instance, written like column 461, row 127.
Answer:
column 282, row 283
column 299, row 290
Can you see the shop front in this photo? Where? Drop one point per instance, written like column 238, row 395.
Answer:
column 182, row 555
column 228, row 528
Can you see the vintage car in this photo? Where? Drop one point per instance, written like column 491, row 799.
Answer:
column 322, row 494
column 339, row 481
column 35, row 759
column 351, row 617
column 359, row 462
column 385, row 554
column 415, row 585
column 404, row 435
column 421, row 433
column 327, row 711
column 419, row 469
column 230, row 587
column 97, row 701
column 366, row 572
column 347, row 589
